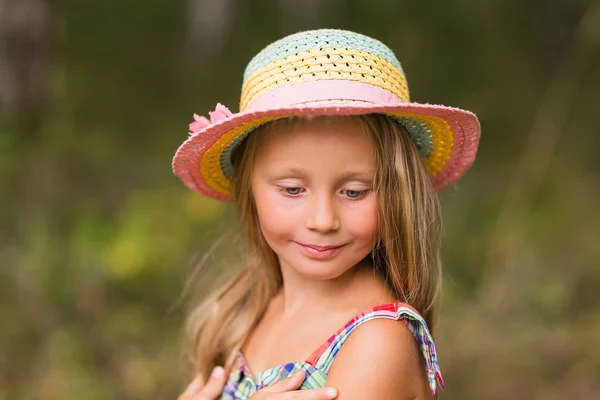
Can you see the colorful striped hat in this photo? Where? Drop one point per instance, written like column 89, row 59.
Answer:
column 324, row 72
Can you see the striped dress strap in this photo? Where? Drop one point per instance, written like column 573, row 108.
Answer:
column 323, row 357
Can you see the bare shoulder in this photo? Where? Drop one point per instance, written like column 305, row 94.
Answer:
column 380, row 360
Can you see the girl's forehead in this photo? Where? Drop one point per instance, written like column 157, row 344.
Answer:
column 318, row 143
column 313, row 131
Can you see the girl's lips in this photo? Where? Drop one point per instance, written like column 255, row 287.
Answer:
column 319, row 251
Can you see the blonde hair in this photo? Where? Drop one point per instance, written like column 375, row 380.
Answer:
column 407, row 254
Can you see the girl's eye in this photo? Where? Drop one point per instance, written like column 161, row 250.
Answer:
column 294, row 191
column 355, row 194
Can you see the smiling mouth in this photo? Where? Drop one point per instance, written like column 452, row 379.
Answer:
column 320, row 248
column 320, row 252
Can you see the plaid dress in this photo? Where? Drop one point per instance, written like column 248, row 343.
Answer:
column 242, row 383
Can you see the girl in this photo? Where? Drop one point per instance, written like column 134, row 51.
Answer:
column 334, row 173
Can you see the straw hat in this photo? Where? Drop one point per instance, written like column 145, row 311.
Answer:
column 324, row 72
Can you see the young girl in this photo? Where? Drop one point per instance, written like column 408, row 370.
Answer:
column 334, row 173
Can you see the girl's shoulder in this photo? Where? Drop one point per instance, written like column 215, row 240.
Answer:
column 383, row 348
column 383, row 338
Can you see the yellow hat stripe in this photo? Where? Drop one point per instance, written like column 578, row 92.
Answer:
column 325, row 63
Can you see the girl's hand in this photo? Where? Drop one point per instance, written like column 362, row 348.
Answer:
column 287, row 390
column 212, row 390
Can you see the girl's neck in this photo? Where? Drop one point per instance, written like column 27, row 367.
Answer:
column 300, row 296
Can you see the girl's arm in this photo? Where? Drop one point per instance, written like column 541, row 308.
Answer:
column 380, row 360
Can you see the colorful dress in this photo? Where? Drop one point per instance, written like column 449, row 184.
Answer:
column 242, row 383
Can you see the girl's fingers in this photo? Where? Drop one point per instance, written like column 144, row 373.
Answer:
column 285, row 385
column 214, row 387
column 287, row 389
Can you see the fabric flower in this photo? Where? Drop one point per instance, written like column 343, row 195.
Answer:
column 221, row 112
column 198, row 124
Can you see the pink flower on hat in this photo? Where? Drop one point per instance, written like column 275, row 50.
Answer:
column 221, row 112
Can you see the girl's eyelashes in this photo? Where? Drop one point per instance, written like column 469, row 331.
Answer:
column 355, row 194
column 348, row 193
column 290, row 191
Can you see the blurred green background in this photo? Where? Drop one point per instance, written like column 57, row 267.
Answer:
column 97, row 237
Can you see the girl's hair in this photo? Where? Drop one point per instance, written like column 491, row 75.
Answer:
column 407, row 253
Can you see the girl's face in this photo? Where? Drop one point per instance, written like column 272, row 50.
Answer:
column 313, row 186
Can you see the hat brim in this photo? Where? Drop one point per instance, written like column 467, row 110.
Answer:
column 455, row 137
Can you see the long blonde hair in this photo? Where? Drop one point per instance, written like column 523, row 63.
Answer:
column 407, row 253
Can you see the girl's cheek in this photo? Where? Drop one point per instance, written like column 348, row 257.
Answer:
column 270, row 215
column 361, row 219
column 277, row 212
column 279, row 205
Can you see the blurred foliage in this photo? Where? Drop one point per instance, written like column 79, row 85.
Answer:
column 97, row 237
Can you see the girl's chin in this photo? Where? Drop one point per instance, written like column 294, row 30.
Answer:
column 320, row 270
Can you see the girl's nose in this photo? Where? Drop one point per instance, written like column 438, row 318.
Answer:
column 322, row 214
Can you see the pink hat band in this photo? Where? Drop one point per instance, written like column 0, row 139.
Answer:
column 321, row 91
